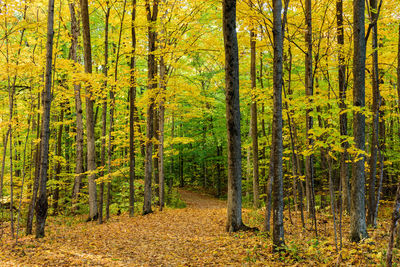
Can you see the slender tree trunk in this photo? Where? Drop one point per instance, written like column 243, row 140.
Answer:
column 277, row 142
column 309, row 83
column 132, row 99
column 358, row 228
column 42, row 205
column 104, row 112
column 375, row 111
column 23, row 174
column 152, row 72
column 56, row 194
column 254, row 130
column 332, row 196
column 181, row 177
column 112, row 110
column 344, row 172
column 248, row 169
column 78, row 111
column 11, row 169
column 91, row 151
column 36, row 158
column 396, row 209
column 172, row 171
column 234, row 222
column 161, row 111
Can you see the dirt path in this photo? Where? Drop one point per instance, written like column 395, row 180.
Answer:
column 193, row 236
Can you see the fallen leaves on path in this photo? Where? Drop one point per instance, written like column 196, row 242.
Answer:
column 193, row 236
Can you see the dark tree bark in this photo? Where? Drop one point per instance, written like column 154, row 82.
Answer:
column 91, row 151
column 152, row 84
column 375, row 111
column 309, row 84
column 358, row 228
column 56, row 193
column 42, row 205
column 254, row 130
column 132, row 99
column 234, row 222
column 276, row 171
column 161, row 112
column 344, row 171
column 396, row 209
column 78, row 111
column 104, row 112
column 35, row 187
column 112, row 109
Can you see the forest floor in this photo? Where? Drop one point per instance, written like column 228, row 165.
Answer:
column 192, row 236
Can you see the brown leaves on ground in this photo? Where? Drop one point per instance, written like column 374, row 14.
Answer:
column 194, row 236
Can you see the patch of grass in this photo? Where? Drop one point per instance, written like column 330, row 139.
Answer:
column 174, row 200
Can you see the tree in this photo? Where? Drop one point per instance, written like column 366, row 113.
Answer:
column 309, row 84
column 376, row 99
column 275, row 164
column 358, row 228
column 104, row 111
column 42, row 205
column 78, row 110
column 344, row 174
column 132, row 97
column 234, row 222
column 91, row 152
column 152, row 14
column 396, row 209
column 254, row 130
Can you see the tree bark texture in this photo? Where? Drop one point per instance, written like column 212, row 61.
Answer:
column 42, row 204
column 132, row 99
column 234, row 222
column 91, row 152
column 78, row 110
column 375, row 113
column 358, row 228
column 344, row 170
column 276, row 170
column 254, row 130
column 152, row 84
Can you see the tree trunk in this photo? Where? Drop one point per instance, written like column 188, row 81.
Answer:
column 56, row 193
column 104, row 112
column 254, row 130
column 309, row 84
column 42, row 205
column 161, row 111
column 91, row 152
column 358, row 228
column 396, row 209
column 344, row 173
column 78, row 111
column 152, row 72
column 375, row 111
column 277, row 142
column 36, row 157
column 234, row 222
column 132, row 99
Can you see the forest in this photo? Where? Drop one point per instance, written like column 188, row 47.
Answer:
column 193, row 133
